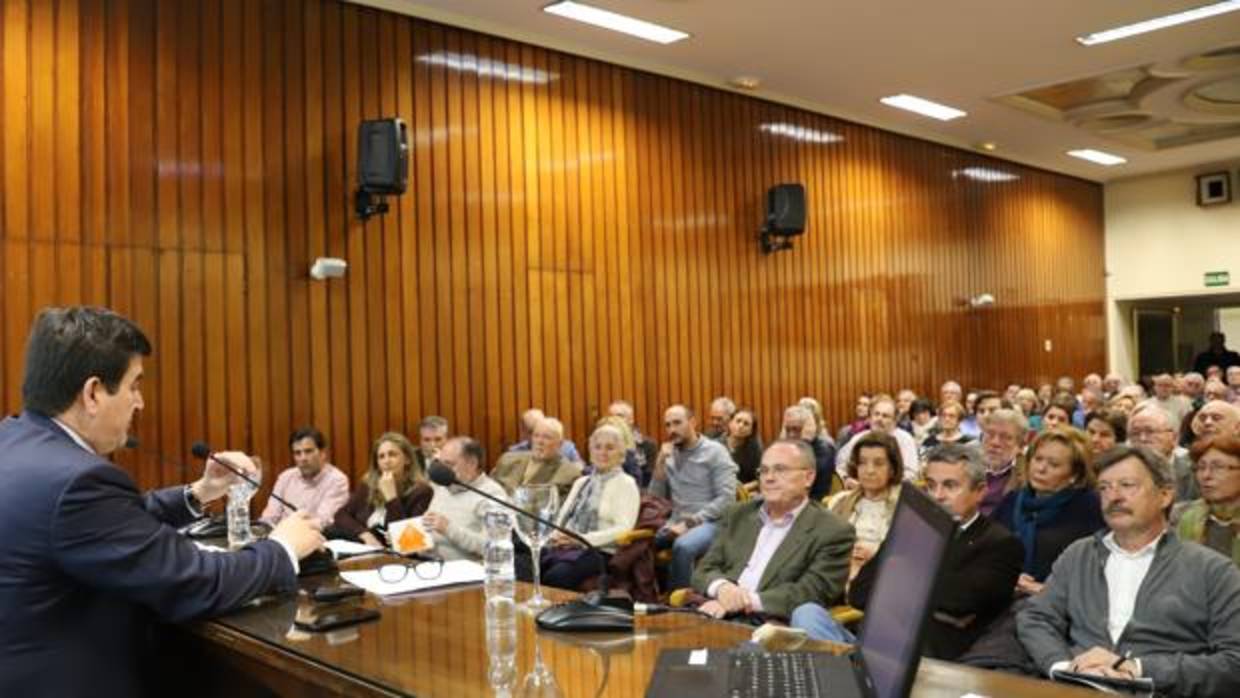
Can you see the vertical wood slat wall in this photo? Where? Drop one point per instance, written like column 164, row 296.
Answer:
column 574, row 232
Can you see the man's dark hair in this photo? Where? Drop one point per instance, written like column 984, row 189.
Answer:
column 472, row 450
column 68, row 346
column 308, row 433
column 1159, row 469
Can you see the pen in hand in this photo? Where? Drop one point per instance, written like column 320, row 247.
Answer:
column 1120, row 660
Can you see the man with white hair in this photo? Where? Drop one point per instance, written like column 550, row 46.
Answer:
column 949, row 392
column 543, row 463
column 1194, row 388
column 1214, row 418
column 647, row 448
column 530, row 419
column 721, row 410
column 799, row 424
column 1152, row 427
column 1111, row 385
column 1164, row 396
column 883, row 421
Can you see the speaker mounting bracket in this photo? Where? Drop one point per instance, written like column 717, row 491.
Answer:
column 772, row 242
column 367, row 204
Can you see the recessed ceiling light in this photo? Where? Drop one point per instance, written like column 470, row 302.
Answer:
column 925, row 107
column 988, row 146
column 984, row 174
column 615, row 22
column 800, row 133
column 1149, row 25
column 1098, row 156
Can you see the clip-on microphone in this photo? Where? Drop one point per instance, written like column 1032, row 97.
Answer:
column 592, row 612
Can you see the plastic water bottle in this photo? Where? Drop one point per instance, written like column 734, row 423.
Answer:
column 497, row 558
column 238, row 515
column 501, row 634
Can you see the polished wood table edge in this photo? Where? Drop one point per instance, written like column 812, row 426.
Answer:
column 252, row 648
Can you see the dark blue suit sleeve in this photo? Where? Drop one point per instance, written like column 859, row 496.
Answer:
column 168, row 505
column 108, row 537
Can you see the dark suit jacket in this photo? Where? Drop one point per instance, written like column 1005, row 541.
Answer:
column 86, row 562
column 979, row 577
column 811, row 564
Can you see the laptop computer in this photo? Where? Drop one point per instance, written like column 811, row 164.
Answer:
column 884, row 663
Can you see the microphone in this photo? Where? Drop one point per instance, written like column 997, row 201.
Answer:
column 594, row 611
column 203, row 451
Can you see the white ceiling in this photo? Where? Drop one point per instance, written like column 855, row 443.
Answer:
column 839, row 57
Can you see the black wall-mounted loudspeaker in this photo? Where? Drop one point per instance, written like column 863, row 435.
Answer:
column 785, row 210
column 383, row 156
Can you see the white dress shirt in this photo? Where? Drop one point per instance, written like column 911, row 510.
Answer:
column 1124, row 572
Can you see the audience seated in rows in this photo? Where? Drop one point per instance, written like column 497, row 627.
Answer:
column 455, row 516
column 875, row 465
column 1134, row 600
column 699, row 477
column 799, row 423
column 394, row 489
column 1055, row 506
column 1003, row 434
column 882, row 421
column 312, row 484
column 544, row 462
column 432, row 435
column 1151, row 426
column 1212, row 520
column 744, row 444
column 647, row 448
column 981, row 567
column 777, row 552
column 721, row 410
column 599, row 507
column 529, row 420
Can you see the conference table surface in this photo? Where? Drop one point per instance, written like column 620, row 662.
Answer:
column 435, row 644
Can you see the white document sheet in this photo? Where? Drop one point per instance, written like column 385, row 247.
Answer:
column 454, row 572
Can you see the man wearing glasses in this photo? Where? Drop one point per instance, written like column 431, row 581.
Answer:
column 778, row 552
column 1136, row 601
column 1003, row 433
column 1156, row 429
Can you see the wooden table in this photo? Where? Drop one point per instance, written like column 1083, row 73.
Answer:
column 435, row 645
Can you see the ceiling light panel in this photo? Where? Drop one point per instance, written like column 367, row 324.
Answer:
column 925, row 107
column 1098, row 156
column 1163, row 22
column 615, row 22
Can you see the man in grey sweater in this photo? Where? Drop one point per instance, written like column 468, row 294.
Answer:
column 699, row 476
column 1136, row 601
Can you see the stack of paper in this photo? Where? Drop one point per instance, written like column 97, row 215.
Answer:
column 454, row 572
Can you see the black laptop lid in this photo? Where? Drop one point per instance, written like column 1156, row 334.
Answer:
column 900, row 604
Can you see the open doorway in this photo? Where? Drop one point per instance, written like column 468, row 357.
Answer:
column 1166, row 334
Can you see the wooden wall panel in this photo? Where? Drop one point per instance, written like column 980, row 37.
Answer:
column 574, row 232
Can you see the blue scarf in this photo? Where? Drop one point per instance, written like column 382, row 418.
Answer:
column 1032, row 511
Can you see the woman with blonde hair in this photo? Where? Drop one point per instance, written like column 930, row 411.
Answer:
column 1055, row 505
column 394, row 488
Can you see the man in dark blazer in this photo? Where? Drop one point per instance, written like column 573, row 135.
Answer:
column 979, row 572
column 775, row 553
column 85, row 560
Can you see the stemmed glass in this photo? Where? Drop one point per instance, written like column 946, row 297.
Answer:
column 540, row 682
column 542, row 501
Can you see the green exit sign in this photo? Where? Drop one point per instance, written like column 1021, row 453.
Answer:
column 1218, row 278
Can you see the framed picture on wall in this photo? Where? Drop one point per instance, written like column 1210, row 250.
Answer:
column 1213, row 188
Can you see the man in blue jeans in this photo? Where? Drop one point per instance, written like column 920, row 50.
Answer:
column 699, row 477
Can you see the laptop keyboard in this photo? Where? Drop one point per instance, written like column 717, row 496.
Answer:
column 773, row 675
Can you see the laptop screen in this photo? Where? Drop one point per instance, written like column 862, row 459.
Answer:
column 899, row 603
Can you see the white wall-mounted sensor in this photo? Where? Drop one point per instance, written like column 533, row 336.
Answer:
column 982, row 300
column 328, row 268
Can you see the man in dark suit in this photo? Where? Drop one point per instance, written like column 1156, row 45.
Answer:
column 979, row 572
column 85, row 560
column 778, row 552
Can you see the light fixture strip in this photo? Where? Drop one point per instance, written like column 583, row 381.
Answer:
column 1149, row 25
column 925, row 107
column 1098, row 156
column 615, row 22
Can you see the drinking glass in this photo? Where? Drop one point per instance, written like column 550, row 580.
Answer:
column 543, row 501
column 540, row 682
